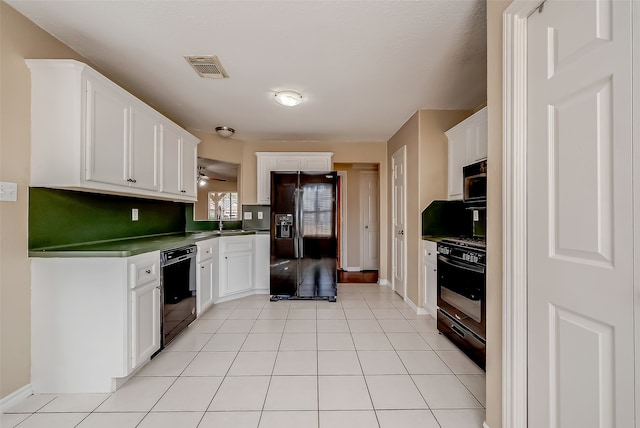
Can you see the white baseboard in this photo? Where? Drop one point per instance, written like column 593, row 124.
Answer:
column 485, row 424
column 417, row 310
column 432, row 310
column 352, row 269
column 15, row 397
column 384, row 282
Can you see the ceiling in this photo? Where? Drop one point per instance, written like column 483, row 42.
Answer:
column 363, row 67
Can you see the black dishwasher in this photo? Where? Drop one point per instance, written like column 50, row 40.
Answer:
column 178, row 287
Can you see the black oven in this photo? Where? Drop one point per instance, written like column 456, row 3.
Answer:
column 462, row 296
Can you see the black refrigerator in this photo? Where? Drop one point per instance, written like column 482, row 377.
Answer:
column 303, row 235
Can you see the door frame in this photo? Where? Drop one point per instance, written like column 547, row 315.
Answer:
column 514, row 187
column 514, row 225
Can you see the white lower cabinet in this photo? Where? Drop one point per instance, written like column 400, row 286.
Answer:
column 93, row 320
column 430, row 276
column 206, row 285
column 236, row 264
column 145, row 322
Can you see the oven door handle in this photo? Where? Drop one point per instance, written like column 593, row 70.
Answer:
column 465, row 266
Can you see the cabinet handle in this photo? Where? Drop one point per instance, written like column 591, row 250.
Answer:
column 131, row 180
column 201, row 267
column 183, row 191
column 148, row 271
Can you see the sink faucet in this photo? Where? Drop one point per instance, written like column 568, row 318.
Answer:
column 219, row 219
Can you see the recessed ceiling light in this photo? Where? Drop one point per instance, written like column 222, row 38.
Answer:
column 288, row 98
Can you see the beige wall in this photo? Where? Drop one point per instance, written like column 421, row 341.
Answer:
column 20, row 39
column 426, row 172
column 495, row 8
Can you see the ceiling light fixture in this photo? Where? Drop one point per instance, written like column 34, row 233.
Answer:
column 288, row 98
column 225, row 131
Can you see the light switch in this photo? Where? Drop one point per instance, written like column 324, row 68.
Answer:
column 8, row 192
column 476, row 215
column 134, row 214
column 260, row 215
column 248, row 215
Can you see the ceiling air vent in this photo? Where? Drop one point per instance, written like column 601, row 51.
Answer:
column 207, row 66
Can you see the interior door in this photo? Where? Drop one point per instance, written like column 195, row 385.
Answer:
column 398, row 220
column 580, row 237
column 370, row 220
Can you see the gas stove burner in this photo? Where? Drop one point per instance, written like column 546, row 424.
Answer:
column 475, row 242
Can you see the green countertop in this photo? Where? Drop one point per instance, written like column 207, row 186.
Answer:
column 134, row 246
column 433, row 238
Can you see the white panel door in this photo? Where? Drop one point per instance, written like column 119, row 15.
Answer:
column 398, row 220
column 580, row 216
column 370, row 231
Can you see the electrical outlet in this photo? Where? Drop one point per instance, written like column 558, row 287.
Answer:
column 476, row 215
column 8, row 192
column 134, row 214
column 260, row 216
column 248, row 215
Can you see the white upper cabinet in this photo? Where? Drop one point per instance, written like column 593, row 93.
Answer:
column 179, row 162
column 88, row 133
column 287, row 161
column 467, row 144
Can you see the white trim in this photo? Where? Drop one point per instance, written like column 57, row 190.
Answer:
column 376, row 177
column 431, row 309
column 343, row 218
column 485, row 424
column 514, row 186
column 352, row 269
column 15, row 397
column 384, row 282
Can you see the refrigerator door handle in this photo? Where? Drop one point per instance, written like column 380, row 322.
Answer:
column 298, row 246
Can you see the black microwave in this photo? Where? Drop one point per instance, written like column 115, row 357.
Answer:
column 475, row 182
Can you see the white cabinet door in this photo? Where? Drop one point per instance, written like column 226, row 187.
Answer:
column 170, row 153
column 477, row 137
column 107, row 135
column 143, row 149
column 145, row 322
column 237, row 272
column 206, row 284
column 457, row 159
column 262, row 270
column 236, row 264
column 430, row 276
column 188, row 166
column 315, row 164
column 286, row 163
column 206, row 280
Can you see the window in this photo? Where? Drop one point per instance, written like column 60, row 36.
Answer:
column 317, row 207
column 223, row 205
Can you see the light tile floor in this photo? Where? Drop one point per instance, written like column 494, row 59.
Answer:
column 364, row 361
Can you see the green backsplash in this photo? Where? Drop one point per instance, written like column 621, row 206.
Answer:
column 63, row 217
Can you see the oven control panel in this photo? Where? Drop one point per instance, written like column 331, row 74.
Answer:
column 464, row 254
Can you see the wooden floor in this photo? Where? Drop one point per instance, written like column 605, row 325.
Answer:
column 367, row 276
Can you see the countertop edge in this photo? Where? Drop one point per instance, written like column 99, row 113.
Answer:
column 133, row 247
